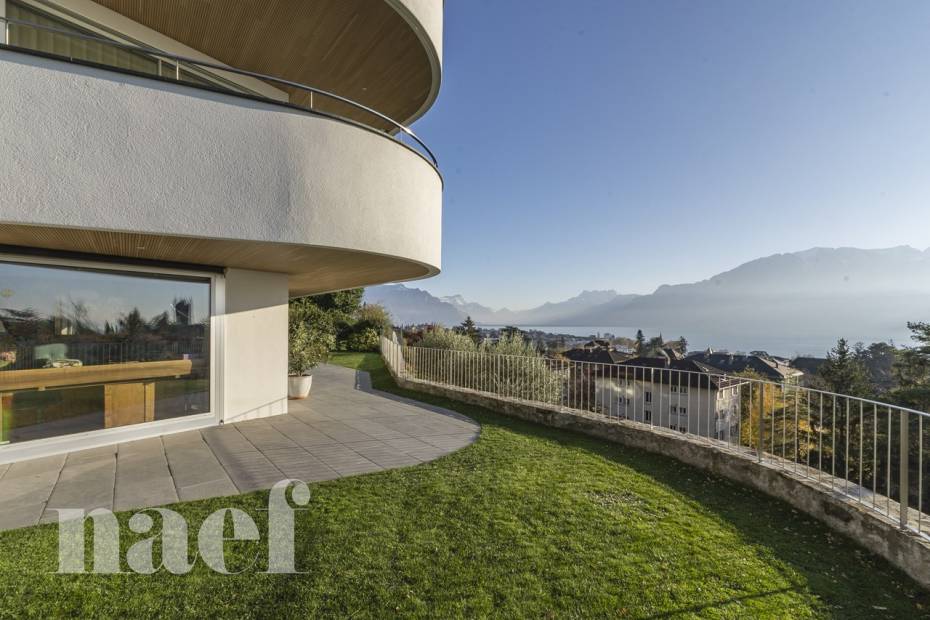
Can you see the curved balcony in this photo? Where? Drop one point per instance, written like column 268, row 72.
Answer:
column 113, row 162
column 385, row 54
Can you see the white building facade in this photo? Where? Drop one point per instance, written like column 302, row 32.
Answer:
column 683, row 400
column 157, row 212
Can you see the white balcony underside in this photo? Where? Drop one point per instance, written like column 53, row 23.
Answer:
column 93, row 160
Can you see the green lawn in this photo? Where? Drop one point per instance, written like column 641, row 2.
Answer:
column 529, row 522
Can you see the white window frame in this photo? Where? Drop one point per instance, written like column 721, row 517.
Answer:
column 49, row 446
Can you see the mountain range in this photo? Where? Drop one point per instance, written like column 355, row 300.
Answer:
column 791, row 298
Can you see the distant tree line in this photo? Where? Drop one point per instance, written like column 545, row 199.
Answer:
column 880, row 371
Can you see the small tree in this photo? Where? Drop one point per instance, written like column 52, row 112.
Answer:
column 442, row 338
column 912, row 370
column 844, row 372
column 640, row 341
column 515, row 367
column 366, row 339
column 310, row 338
column 373, row 316
column 469, row 328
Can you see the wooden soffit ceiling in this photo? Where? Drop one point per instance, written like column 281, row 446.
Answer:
column 359, row 49
column 311, row 269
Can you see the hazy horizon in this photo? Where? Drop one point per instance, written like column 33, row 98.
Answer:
column 681, row 140
column 426, row 284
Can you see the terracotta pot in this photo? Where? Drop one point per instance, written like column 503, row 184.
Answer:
column 298, row 386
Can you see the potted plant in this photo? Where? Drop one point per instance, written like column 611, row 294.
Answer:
column 306, row 349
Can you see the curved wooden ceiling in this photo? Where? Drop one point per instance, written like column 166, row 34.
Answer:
column 311, row 269
column 359, row 49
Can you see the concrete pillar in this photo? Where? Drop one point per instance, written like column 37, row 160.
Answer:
column 254, row 372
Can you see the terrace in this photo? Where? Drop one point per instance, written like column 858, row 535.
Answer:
column 529, row 521
column 345, row 429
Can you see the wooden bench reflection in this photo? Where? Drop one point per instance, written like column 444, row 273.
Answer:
column 129, row 387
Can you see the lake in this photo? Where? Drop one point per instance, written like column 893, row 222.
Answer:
column 698, row 340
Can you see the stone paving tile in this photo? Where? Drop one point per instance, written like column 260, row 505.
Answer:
column 207, row 490
column 450, row 443
column 226, row 440
column 336, row 453
column 196, row 471
column 374, row 429
column 311, row 416
column 91, row 455
column 296, row 405
column 340, row 431
column 299, row 432
column 299, row 464
column 344, row 460
column 86, row 482
column 264, row 436
column 141, row 448
column 408, row 445
column 250, row 471
column 432, row 430
column 428, row 454
column 34, row 467
column 21, row 515
column 392, row 411
column 27, row 488
column 351, row 469
column 411, row 428
column 142, row 476
column 382, row 454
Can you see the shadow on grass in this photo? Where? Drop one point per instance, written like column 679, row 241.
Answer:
column 693, row 609
column 832, row 565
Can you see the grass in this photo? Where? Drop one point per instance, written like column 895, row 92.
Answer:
column 529, row 522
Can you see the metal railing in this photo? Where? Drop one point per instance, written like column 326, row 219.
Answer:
column 865, row 450
column 180, row 62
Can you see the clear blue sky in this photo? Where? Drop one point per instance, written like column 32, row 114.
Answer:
column 624, row 144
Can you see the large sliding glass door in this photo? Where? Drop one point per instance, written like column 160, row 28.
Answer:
column 91, row 349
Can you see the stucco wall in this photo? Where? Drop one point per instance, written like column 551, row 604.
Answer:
column 254, row 373
column 86, row 147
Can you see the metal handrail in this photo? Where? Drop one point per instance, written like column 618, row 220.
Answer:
column 220, row 67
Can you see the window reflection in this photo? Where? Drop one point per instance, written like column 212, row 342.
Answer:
column 84, row 350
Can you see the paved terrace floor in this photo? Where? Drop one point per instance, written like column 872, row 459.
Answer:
column 343, row 429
